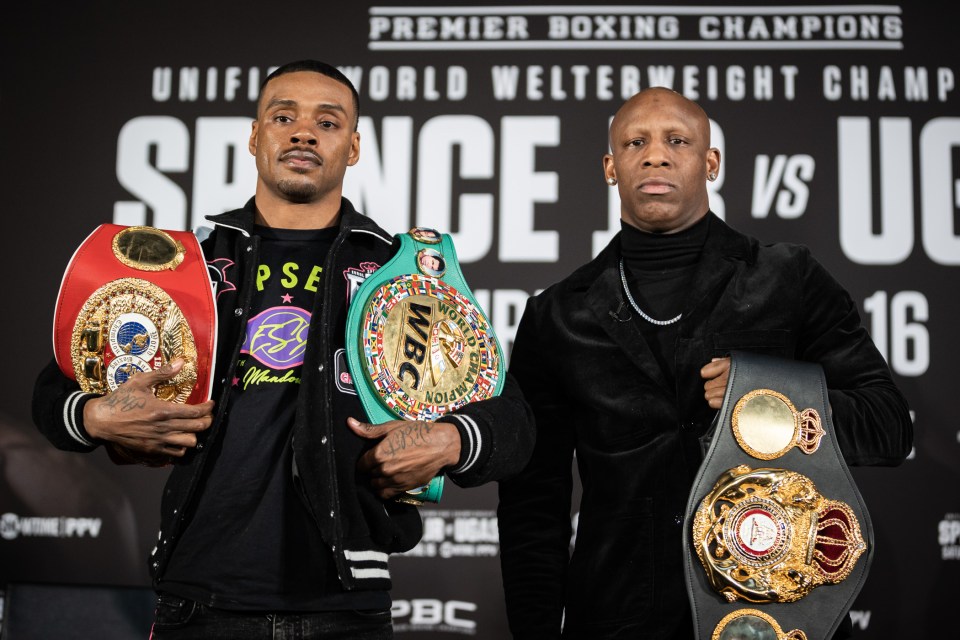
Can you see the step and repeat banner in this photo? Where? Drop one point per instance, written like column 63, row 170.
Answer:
column 839, row 127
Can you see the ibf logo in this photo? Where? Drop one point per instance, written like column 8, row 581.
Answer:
column 422, row 612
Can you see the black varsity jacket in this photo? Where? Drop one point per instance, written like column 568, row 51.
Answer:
column 361, row 529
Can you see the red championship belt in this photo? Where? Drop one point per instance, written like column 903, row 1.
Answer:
column 133, row 299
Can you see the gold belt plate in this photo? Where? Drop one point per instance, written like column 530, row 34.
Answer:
column 427, row 348
column 127, row 326
column 767, row 535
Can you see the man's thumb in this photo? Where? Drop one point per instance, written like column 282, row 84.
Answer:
column 363, row 429
column 169, row 370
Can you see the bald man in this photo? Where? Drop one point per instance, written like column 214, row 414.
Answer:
column 625, row 363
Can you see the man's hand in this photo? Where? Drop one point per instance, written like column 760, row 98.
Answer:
column 715, row 373
column 148, row 429
column 408, row 455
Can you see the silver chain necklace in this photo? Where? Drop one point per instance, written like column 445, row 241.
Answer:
column 636, row 307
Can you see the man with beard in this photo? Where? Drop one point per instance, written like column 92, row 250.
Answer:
column 278, row 516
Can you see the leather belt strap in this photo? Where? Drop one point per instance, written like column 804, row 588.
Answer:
column 776, row 536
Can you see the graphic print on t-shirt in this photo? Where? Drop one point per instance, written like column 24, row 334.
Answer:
column 276, row 334
column 277, row 337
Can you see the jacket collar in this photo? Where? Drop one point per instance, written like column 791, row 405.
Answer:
column 350, row 220
column 723, row 249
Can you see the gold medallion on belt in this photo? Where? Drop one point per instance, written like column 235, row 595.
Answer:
column 427, row 348
column 130, row 326
column 767, row 535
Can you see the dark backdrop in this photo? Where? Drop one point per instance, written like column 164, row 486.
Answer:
column 839, row 128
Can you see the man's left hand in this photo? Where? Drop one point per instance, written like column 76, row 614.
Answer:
column 408, row 455
column 715, row 373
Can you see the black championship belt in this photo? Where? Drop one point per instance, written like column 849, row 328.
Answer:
column 777, row 539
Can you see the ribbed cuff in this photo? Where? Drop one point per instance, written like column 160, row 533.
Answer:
column 73, row 417
column 469, row 442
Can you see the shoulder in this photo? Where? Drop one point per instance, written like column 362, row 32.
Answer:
column 790, row 263
column 361, row 226
column 579, row 281
column 758, row 253
column 784, row 255
column 569, row 297
column 225, row 226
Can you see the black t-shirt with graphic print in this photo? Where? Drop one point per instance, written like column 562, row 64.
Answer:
column 251, row 544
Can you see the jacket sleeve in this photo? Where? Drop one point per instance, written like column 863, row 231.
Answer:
column 870, row 414
column 534, row 509
column 496, row 437
column 58, row 410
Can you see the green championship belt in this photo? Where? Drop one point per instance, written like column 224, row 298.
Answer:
column 418, row 344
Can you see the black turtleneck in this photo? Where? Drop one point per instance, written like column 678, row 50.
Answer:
column 659, row 268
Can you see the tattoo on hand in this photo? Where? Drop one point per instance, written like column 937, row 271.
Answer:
column 124, row 400
column 413, row 435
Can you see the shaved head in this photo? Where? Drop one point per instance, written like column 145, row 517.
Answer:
column 660, row 159
column 654, row 94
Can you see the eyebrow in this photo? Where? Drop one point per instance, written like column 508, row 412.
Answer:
column 324, row 106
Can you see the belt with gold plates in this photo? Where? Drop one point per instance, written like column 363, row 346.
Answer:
column 777, row 538
column 418, row 344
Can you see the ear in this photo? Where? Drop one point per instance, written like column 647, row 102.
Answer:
column 609, row 171
column 354, row 156
column 252, row 144
column 713, row 161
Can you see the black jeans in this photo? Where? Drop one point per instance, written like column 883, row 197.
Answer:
column 180, row 619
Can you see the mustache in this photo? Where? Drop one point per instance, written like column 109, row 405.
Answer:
column 301, row 154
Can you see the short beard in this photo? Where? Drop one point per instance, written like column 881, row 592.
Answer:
column 298, row 192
